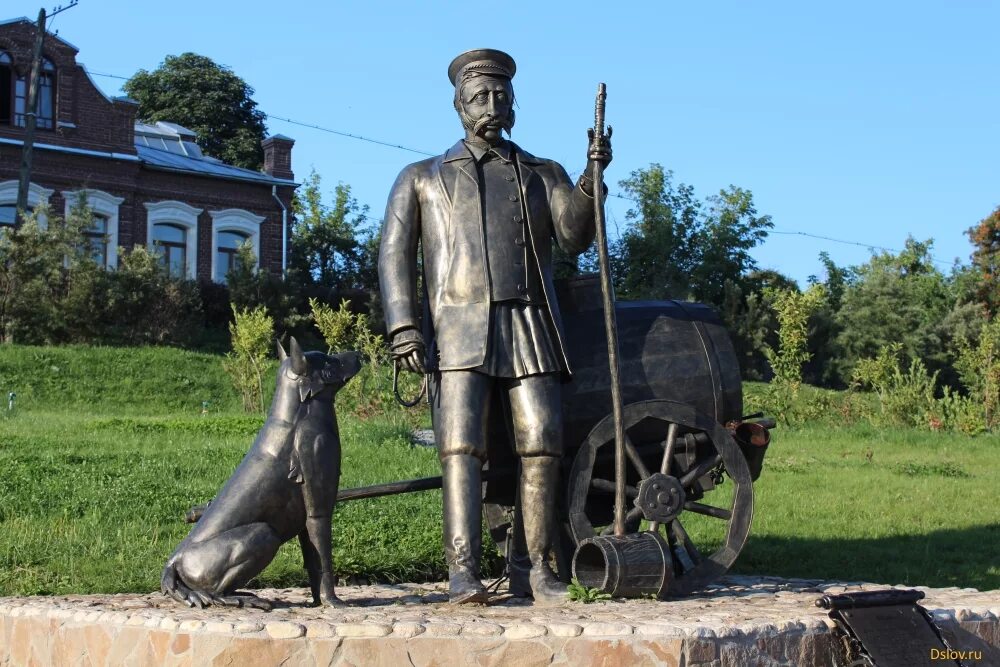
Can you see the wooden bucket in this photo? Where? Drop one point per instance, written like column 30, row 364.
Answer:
column 630, row 566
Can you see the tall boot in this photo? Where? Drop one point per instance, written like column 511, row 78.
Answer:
column 539, row 491
column 463, row 526
column 518, row 563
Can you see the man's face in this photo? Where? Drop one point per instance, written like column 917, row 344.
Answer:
column 487, row 104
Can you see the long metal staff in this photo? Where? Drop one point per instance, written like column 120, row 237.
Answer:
column 610, row 325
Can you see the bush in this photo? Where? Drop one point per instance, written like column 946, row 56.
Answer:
column 36, row 263
column 979, row 368
column 793, row 309
column 957, row 412
column 52, row 290
column 804, row 404
column 370, row 392
column 906, row 398
column 252, row 335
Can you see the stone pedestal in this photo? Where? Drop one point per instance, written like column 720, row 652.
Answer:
column 740, row 621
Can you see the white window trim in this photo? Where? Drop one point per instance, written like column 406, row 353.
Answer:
column 105, row 204
column 234, row 220
column 180, row 214
column 37, row 195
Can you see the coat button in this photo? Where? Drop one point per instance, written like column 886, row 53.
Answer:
column 521, row 289
column 512, row 197
column 518, row 219
column 508, row 177
column 519, row 242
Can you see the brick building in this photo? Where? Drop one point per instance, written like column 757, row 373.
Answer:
column 147, row 184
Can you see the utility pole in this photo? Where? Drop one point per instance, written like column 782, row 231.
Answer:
column 29, row 119
column 30, row 111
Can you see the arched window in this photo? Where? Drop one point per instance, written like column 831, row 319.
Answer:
column 173, row 234
column 231, row 228
column 45, row 107
column 96, row 237
column 37, row 196
column 6, row 88
column 170, row 242
column 102, row 236
column 229, row 243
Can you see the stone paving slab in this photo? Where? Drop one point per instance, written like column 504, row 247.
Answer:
column 739, row 621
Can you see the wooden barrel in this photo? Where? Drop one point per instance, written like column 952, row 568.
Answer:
column 630, row 566
column 668, row 349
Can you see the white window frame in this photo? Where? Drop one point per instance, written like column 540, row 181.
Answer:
column 178, row 213
column 37, row 196
column 105, row 204
column 235, row 220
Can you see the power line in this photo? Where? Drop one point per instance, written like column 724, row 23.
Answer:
column 339, row 133
column 109, row 76
column 617, row 195
column 869, row 246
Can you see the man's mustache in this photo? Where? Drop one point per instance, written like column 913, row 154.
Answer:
column 504, row 123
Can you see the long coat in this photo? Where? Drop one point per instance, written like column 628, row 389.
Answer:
column 436, row 202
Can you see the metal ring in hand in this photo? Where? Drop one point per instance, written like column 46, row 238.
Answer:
column 395, row 387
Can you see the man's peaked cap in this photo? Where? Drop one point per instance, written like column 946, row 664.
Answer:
column 485, row 61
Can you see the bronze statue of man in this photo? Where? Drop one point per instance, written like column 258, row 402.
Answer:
column 484, row 215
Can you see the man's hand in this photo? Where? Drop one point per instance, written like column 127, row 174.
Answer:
column 600, row 148
column 599, row 152
column 409, row 349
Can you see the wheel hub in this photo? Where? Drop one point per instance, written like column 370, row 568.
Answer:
column 661, row 497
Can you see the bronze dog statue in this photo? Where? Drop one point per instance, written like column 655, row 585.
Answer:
column 286, row 486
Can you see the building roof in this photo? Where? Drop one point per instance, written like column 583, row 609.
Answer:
column 53, row 35
column 168, row 147
column 171, row 147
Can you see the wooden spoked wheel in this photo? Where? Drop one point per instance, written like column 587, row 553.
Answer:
column 675, row 457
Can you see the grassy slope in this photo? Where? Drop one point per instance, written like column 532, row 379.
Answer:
column 108, row 380
column 108, row 449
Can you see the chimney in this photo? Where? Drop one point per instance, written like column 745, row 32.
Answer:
column 278, row 156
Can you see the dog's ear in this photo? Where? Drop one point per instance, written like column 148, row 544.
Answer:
column 299, row 364
column 282, row 355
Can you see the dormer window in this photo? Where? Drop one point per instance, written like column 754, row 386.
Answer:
column 45, row 117
column 6, row 88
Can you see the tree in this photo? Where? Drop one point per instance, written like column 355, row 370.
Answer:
column 675, row 247
column 207, row 98
column 823, row 367
column 658, row 252
column 728, row 233
column 895, row 298
column 985, row 238
column 332, row 246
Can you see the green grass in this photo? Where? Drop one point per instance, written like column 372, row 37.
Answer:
column 95, row 504
column 108, row 448
column 109, row 380
column 909, row 507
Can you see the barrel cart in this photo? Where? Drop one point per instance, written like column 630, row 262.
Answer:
column 686, row 437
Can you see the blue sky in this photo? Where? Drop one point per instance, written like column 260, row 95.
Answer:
column 859, row 121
